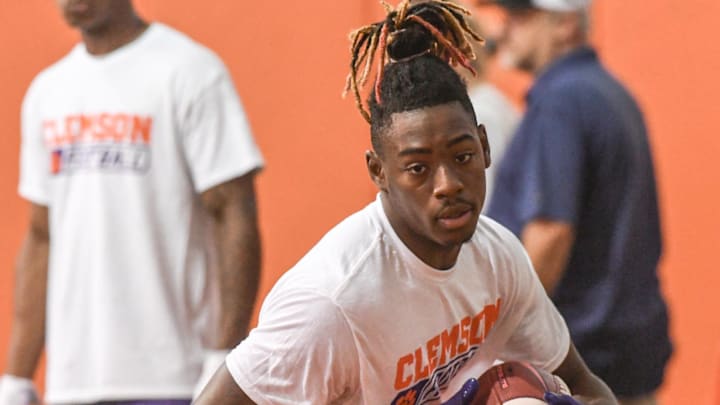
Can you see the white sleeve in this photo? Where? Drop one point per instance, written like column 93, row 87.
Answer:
column 540, row 336
column 302, row 352
column 35, row 158
column 217, row 139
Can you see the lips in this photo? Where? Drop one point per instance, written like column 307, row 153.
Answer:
column 454, row 217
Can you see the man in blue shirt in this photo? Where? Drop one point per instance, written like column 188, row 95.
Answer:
column 577, row 187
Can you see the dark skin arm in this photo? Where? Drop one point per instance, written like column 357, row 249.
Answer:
column 585, row 386
column 222, row 390
column 548, row 244
column 27, row 338
column 233, row 210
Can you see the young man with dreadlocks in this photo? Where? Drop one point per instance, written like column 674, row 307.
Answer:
column 406, row 300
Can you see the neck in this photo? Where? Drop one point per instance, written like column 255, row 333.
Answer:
column 113, row 35
column 554, row 54
column 441, row 260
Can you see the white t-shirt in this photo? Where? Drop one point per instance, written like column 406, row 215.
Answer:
column 119, row 147
column 361, row 320
column 500, row 118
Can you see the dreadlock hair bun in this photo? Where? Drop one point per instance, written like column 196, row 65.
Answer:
column 412, row 38
column 410, row 31
column 408, row 42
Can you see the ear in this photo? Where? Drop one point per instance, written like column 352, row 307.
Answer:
column 485, row 144
column 376, row 170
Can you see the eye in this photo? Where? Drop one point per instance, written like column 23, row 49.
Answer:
column 464, row 157
column 416, row 168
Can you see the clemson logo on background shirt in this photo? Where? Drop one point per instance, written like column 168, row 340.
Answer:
column 99, row 142
column 424, row 373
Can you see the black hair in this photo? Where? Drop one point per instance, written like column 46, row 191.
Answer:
column 423, row 42
column 425, row 81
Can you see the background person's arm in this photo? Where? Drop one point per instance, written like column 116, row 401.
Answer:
column 232, row 207
column 27, row 337
column 233, row 212
column 548, row 243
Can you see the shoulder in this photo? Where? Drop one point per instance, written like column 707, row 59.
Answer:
column 189, row 59
column 171, row 41
column 513, row 269
column 55, row 74
column 556, row 104
column 338, row 256
column 503, row 248
column 583, row 84
column 311, row 290
column 497, row 237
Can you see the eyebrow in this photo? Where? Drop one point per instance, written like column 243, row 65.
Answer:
column 414, row 151
column 460, row 139
column 428, row 151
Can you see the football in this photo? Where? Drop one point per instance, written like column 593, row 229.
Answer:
column 517, row 383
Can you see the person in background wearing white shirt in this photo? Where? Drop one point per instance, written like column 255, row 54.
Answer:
column 139, row 165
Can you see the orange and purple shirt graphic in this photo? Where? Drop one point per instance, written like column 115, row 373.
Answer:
column 99, row 142
column 422, row 374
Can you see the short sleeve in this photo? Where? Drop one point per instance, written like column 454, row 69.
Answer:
column 551, row 183
column 35, row 158
column 539, row 334
column 302, row 352
column 217, row 139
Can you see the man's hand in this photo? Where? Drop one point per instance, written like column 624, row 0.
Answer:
column 17, row 391
column 560, row 399
column 466, row 393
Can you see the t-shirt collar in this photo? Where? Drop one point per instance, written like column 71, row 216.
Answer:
column 122, row 50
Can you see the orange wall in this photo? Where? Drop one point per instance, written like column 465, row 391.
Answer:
column 289, row 61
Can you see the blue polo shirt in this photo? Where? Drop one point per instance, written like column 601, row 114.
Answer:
column 581, row 156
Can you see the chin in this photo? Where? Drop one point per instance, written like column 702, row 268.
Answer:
column 72, row 21
column 466, row 238
column 457, row 238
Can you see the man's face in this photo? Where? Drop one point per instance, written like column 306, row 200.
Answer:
column 527, row 39
column 88, row 15
column 433, row 176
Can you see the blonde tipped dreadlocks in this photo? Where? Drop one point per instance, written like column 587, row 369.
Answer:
column 443, row 20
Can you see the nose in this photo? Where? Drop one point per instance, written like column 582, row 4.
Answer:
column 446, row 183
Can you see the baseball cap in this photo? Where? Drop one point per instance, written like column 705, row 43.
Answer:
column 550, row 5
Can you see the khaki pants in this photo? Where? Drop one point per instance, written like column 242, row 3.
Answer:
column 643, row 400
